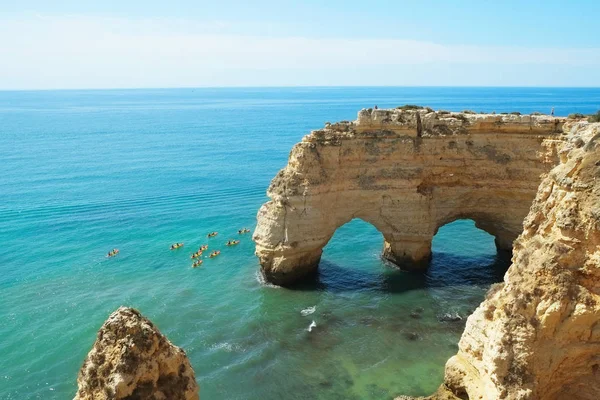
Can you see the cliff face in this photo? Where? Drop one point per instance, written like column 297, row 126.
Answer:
column 407, row 172
column 537, row 335
column 131, row 359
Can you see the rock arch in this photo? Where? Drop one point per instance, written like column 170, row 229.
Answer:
column 406, row 172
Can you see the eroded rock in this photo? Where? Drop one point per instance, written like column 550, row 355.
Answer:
column 131, row 359
column 537, row 335
column 407, row 172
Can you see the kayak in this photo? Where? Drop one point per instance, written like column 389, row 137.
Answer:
column 113, row 253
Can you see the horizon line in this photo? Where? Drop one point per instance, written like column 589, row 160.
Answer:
column 295, row 87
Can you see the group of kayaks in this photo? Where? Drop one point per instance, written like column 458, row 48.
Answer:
column 198, row 254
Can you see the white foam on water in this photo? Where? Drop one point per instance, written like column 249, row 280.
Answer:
column 228, row 347
column 308, row 311
column 261, row 279
column 311, row 326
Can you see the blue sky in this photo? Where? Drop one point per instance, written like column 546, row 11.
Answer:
column 105, row 44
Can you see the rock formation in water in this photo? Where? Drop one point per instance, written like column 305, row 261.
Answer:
column 407, row 172
column 131, row 359
column 537, row 335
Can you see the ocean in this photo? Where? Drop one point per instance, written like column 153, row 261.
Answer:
column 82, row 172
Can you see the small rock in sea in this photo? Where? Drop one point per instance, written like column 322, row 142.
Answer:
column 419, row 309
column 326, row 384
column 308, row 311
column 415, row 315
column 411, row 335
column 450, row 317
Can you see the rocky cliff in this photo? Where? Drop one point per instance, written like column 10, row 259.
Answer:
column 131, row 359
column 537, row 335
column 407, row 172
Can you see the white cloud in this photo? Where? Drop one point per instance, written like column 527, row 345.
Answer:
column 79, row 51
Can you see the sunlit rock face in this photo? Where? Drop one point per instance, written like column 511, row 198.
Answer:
column 407, row 172
column 131, row 359
column 537, row 335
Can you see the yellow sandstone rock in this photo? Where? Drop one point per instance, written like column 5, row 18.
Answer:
column 537, row 335
column 407, row 172
column 131, row 359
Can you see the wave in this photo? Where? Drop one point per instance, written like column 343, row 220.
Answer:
column 263, row 282
column 308, row 311
column 228, row 347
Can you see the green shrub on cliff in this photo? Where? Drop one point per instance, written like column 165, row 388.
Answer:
column 594, row 117
column 576, row 116
column 407, row 107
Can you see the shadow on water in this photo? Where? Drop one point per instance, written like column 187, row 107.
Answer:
column 445, row 269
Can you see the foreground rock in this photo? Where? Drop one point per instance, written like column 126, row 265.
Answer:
column 407, row 172
column 537, row 335
column 131, row 359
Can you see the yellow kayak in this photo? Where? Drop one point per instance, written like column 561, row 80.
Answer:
column 113, row 253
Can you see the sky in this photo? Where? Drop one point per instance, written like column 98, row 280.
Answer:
column 81, row 44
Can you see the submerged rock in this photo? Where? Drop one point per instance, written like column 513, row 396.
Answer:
column 450, row 317
column 412, row 336
column 131, row 359
column 415, row 315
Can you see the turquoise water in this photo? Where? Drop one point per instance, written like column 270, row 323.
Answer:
column 82, row 172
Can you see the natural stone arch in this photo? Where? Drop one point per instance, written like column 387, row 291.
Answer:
column 407, row 173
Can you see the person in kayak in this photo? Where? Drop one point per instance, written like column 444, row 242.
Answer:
column 113, row 253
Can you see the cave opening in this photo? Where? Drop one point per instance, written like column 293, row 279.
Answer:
column 352, row 257
column 463, row 254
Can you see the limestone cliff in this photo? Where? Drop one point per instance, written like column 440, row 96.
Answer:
column 537, row 335
column 131, row 359
column 407, row 172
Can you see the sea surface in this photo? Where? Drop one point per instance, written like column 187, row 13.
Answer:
column 82, row 172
